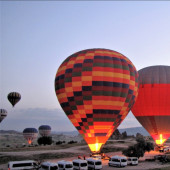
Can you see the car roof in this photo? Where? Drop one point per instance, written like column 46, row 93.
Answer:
column 28, row 161
column 48, row 163
column 94, row 160
column 119, row 157
column 79, row 161
column 64, row 162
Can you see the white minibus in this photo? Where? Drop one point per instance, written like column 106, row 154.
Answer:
column 17, row 165
column 65, row 165
column 119, row 161
column 79, row 164
column 49, row 166
column 94, row 163
column 132, row 161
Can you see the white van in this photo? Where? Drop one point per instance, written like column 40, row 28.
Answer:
column 79, row 164
column 17, row 165
column 132, row 161
column 164, row 149
column 49, row 166
column 94, row 163
column 65, row 165
column 120, row 161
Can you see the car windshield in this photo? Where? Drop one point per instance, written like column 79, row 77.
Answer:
column 69, row 166
column 83, row 164
column 98, row 163
column 61, row 165
column 123, row 160
column 54, row 168
column 134, row 159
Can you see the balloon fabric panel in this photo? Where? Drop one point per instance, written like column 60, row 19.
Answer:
column 96, row 88
column 152, row 107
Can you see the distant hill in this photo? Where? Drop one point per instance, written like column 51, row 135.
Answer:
column 9, row 132
column 134, row 131
column 129, row 131
column 71, row 133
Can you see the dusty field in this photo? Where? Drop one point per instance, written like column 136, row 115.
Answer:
column 69, row 152
column 83, row 150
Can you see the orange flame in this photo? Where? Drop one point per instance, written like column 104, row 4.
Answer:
column 95, row 147
column 160, row 141
column 29, row 141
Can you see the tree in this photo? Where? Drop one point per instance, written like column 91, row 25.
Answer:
column 45, row 140
column 139, row 149
column 124, row 135
column 116, row 135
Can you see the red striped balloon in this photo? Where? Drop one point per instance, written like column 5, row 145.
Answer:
column 96, row 88
column 152, row 107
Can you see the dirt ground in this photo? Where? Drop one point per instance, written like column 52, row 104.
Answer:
column 81, row 151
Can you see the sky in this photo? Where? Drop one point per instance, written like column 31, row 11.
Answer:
column 36, row 36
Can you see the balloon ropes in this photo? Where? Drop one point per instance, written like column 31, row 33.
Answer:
column 14, row 98
column 44, row 130
column 30, row 134
column 3, row 114
column 96, row 89
column 152, row 107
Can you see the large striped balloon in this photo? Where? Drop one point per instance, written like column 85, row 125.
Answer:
column 152, row 107
column 96, row 88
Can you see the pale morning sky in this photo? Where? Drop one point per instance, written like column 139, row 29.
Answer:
column 37, row 36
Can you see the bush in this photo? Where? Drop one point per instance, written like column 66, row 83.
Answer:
column 139, row 149
column 59, row 143
column 72, row 141
column 45, row 140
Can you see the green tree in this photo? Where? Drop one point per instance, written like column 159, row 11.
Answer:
column 45, row 140
column 139, row 149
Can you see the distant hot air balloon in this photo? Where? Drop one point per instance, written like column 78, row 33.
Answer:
column 30, row 134
column 96, row 88
column 14, row 98
column 3, row 114
column 152, row 107
column 44, row 130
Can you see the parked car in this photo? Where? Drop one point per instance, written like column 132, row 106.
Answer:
column 49, row 166
column 132, row 161
column 79, row 164
column 95, row 164
column 17, row 165
column 65, row 165
column 119, row 161
column 164, row 149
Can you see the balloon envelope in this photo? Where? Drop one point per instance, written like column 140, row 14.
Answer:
column 44, row 130
column 3, row 114
column 96, row 88
column 30, row 134
column 14, row 98
column 152, row 107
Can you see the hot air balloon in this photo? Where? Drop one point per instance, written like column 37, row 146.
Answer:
column 30, row 134
column 96, row 88
column 152, row 107
column 3, row 114
column 14, row 98
column 44, row 130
